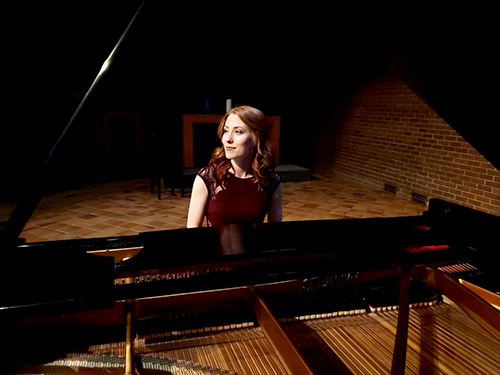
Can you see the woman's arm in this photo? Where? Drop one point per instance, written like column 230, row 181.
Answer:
column 197, row 204
column 275, row 210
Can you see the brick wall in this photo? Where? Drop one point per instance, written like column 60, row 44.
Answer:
column 388, row 135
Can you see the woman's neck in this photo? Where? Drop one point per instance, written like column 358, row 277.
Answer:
column 241, row 170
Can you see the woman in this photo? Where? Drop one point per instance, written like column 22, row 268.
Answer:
column 239, row 185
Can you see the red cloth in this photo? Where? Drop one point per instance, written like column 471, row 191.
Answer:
column 237, row 200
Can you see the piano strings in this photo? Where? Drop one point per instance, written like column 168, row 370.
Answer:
column 441, row 339
column 458, row 268
column 244, row 351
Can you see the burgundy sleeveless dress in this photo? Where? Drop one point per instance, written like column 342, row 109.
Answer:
column 237, row 200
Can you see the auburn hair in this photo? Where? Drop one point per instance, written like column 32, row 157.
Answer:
column 263, row 162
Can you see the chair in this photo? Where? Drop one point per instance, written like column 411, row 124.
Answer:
column 165, row 170
column 171, row 176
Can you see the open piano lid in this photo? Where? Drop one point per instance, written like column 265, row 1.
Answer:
column 52, row 278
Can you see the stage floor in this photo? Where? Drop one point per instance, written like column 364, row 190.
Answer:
column 128, row 207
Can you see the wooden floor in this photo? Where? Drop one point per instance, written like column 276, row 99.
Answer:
column 128, row 207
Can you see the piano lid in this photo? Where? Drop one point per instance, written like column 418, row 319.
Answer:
column 173, row 60
column 28, row 200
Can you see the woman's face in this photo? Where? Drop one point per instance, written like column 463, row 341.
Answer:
column 237, row 140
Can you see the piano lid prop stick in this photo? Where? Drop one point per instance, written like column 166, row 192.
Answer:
column 400, row 343
column 129, row 341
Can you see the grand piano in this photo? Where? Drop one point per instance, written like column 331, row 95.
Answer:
column 416, row 294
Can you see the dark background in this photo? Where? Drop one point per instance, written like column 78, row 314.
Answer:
column 302, row 63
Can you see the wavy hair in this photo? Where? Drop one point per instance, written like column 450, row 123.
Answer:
column 263, row 162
